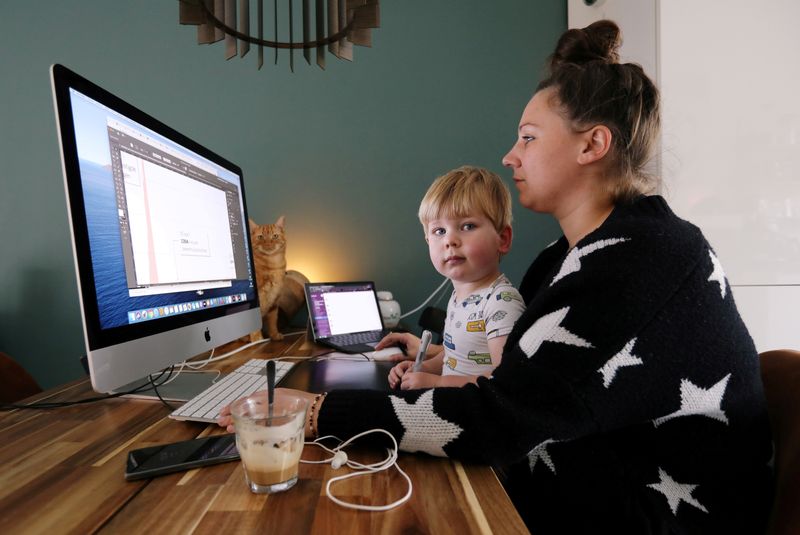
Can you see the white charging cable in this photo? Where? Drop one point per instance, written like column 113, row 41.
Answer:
column 340, row 459
column 434, row 294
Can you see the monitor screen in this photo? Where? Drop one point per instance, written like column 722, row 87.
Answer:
column 160, row 236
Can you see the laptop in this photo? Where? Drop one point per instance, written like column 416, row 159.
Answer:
column 345, row 315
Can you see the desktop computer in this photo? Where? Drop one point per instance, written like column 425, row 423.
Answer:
column 160, row 238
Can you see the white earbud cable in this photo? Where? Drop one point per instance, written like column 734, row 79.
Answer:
column 361, row 469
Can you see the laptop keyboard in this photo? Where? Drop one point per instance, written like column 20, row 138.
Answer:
column 244, row 380
column 356, row 338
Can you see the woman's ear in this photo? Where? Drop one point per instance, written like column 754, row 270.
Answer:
column 598, row 143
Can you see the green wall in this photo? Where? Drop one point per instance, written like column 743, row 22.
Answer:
column 345, row 154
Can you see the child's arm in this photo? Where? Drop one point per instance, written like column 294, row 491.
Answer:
column 434, row 381
column 457, row 380
column 430, row 371
column 429, row 375
column 434, row 351
column 495, row 349
column 433, row 364
column 409, row 342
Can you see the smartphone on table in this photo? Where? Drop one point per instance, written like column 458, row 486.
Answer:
column 168, row 458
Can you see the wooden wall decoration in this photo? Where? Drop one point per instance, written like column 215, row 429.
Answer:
column 335, row 25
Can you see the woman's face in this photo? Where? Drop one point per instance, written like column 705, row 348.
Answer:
column 545, row 157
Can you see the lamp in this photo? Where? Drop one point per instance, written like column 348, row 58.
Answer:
column 338, row 25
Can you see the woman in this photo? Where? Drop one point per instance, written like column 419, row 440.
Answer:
column 629, row 396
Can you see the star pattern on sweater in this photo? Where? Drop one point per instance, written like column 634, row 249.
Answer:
column 424, row 429
column 624, row 358
column 572, row 263
column 540, row 452
column 717, row 274
column 548, row 329
column 675, row 492
column 696, row 400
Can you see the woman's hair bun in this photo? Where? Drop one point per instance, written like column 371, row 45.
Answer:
column 600, row 41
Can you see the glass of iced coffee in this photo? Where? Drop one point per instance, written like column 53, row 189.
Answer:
column 269, row 445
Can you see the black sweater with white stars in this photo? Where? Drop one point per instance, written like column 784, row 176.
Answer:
column 628, row 397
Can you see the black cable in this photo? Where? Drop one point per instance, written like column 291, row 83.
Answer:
column 319, row 357
column 155, row 389
column 58, row 404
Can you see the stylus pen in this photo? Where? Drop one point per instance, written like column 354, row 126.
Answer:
column 423, row 348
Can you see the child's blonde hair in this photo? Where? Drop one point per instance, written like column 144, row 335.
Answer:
column 466, row 191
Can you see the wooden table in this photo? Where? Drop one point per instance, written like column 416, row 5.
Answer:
column 61, row 471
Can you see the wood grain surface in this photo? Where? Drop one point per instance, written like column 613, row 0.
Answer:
column 61, row 471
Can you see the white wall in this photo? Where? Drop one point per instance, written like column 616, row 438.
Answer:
column 638, row 20
column 730, row 86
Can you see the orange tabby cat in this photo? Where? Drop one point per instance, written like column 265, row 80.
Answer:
column 269, row 256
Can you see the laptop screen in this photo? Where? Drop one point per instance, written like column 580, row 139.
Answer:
column 337, row 308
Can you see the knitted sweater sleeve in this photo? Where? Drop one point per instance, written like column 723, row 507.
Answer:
column 613, row 337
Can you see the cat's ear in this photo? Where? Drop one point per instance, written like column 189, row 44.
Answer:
column 253, row 225
column 280, row 221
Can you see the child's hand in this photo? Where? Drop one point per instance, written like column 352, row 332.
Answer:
column 407, row 342
column 396, row 373
column 414, row 380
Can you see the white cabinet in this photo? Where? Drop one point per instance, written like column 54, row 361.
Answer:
column 730, row 148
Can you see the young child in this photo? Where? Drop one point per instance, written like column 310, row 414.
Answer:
column 466, row 217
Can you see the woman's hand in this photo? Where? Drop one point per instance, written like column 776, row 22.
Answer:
column 226, row 420
column 416, row 380
column 407, row 341
column 396, row 373
column 309, row 397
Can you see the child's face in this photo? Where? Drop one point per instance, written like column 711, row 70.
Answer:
column 466, row 249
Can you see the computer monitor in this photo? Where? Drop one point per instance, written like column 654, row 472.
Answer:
column 159, row 233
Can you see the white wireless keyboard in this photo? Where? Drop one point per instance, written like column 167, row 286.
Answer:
column 244, row 380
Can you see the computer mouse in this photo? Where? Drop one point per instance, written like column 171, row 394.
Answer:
column 384, row 354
